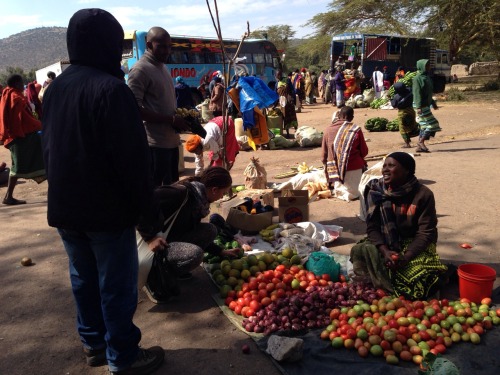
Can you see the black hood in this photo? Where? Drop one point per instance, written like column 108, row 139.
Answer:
column 95, row 38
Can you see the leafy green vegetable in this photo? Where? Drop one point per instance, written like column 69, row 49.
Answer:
column 393, row 125
column 376, row 124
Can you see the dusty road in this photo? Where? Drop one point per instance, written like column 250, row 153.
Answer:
column 37, row 316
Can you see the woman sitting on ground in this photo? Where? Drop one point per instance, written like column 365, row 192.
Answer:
column 399, row 254
column 188, row 237
column 344, row 149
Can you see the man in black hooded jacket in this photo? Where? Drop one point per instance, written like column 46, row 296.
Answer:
column 97, row 163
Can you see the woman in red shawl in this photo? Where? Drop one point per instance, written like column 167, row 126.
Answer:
column 19, row 133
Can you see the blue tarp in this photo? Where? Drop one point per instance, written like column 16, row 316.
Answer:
column 253, row 93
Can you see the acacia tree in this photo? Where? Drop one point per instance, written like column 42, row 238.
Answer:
column 460, row 22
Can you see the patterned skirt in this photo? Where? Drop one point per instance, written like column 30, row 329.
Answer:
column 415, row 281
column 428, row 124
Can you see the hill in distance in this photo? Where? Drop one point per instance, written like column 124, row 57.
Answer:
column 33, row 49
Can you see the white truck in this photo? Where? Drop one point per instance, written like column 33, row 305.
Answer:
column 57, row 68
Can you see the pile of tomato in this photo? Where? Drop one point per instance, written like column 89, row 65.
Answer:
column 268, row 286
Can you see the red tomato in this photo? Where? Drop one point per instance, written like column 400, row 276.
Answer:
column 440, row 348
column 265, row 301
column 288, row 278
column 228, row 300
column 304, row 284
column 270, row 287
column 232, row 305
column 280, row 293
column 262, row 293
column 280, row 268
column 237, row 309
column 255, row 305
column 250, row 312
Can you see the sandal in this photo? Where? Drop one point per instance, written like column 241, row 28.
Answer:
column 420, row 149
column 12, row 201
column 406, row 146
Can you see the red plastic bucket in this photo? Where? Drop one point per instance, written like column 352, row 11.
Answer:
column 475, row 281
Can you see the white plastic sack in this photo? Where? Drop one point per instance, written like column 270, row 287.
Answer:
column 300, row 180
column 372, row 173
column 307, row 136
column 145, row 260
column 369, row 95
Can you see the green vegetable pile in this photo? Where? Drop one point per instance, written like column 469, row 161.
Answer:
column 376, row 124
column 393, row 125
column 225, row 245
column 377, row 103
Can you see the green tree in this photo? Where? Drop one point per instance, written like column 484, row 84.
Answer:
column 10, row 70
column 280, row 36
column 457, row 23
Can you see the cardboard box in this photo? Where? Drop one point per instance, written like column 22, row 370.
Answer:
column 247, row 223
column 293, row 206
column 223, row 206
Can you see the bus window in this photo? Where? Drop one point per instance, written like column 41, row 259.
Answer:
column 195, row 58
column 269, row 59
column 176, row 57
column 248, row 56
column 444, row 58
column 259, row 58
column 128, row 48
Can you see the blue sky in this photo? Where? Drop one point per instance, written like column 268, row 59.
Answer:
column 178, row 17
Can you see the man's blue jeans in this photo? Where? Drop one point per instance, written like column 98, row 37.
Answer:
column 103, row 270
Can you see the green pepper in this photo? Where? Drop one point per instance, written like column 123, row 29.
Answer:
column 235, row 244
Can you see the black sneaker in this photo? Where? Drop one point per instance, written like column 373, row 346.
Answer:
column 147, row 362
column 95, row 357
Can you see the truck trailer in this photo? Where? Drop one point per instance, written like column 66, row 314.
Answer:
column 367, row 51
column 57, row 68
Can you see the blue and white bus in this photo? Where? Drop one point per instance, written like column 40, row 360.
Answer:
column 196, row 58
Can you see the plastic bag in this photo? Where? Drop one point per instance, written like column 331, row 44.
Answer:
column 369, row 95
column 320, row 263
column 372, row 173
column 307, row 136
column 255, row 175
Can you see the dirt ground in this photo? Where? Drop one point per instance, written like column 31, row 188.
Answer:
column 37, row 314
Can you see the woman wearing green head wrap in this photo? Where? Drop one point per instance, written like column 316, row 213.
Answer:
column 422, row 102
column 399, row 253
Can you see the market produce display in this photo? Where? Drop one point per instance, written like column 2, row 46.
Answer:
column 376, row 124
column 398, row 329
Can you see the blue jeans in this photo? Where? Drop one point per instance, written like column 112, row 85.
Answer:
column 165, row 165
column 103, row 270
